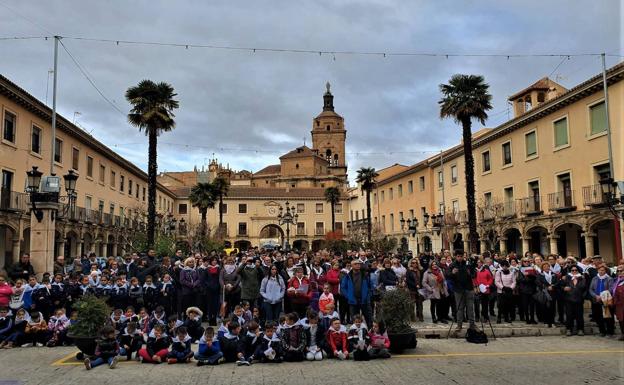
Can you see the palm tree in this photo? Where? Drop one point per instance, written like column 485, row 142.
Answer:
column 203, row 196
column 332, row 196
column 466, row 97
column 366, row 178
column 221, row 188
column 152, row 112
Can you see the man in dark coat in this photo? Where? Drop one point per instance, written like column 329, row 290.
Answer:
column 22, row 269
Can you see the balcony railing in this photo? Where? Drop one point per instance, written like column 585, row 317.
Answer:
column 507, row 209
column 107, row 219
column 531, row 205
column 487, row 213
column 92, row 216
column 561, row 201
column 13, row 200
column 593, row 196
column 117, row 221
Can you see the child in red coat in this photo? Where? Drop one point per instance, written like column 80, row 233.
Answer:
column 337, row 340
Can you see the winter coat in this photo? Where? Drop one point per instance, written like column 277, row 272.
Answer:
column 250, row 282
column 436, row 290
column 412, row 278
column 107, row 347
column 233, row 279
column 347, row 288
column 503, row 280
column 577, row 292
column 154, row 345
column 297, row 297
column 293, row 337
column 484, row 277
column 618, row 301
column 593, row 286
column 387, row 277
column 462, row 280
column 272, row 290
column 189, row 280
column 6, row 291
column 19, row 270
column 337, row 340
column 333, row 278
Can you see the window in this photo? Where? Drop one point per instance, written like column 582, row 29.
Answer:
column 598, row 118
column 75, row 158
column 137, row 191
column 400, row 190
column 122, row 180
column 423, row 211
column 338, row 208
column 487, row 199
column 485, row 160
column 159, row 203
column 102, row 173
column 410, row 187
column 440, row 179
column 112, row 209
column 242, row 208
column 453, row 174
column 89, row 167
column 9, row 127
column 383, row 195
column 182, row 208
column 441, row 207
column 506, row 153
column 561, row 132
column 88, row 202
column 101, row 206
column 455, row 205
column 421, row 183
column 129, row 186
column 113, row 177
column 144, row 194
column 58, row 150
column 530, row 142
column 300, row 228
column 242, row 228
column 391, row 222
column 375, row 197
column 383, row 223
column 300, row 208
column 391, row 193
column 319, row 208
column 320, row 228
column 411, row 213
column 224, row 208
column 338, row 226
column 35, row 140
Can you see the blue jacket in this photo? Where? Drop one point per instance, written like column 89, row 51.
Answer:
column 205, row 351
column 347, row 289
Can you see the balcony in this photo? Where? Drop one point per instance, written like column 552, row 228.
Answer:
column 487, row 213
column 593, row 196
column 507, row 209
column 561, row 201
column 92, row 216
column 531, row 206
column 352, row 225
column 13, row 200
column 116, row 221
column 107, row 219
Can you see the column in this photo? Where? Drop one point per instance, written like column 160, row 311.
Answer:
column 589, row 244
column 466, row 245
column 16, row 250
column 525, row 244
column 42, row 236
column 80, row 245
column 114, row 249
column 502, row 244
column 483, row 245
column 92, row 246
column 61, row 245
column 553, row 244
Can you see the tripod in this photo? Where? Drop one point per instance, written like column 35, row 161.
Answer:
column 460, row 307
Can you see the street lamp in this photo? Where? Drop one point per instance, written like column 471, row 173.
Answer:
column 289, row 217
column 46, row 189
column 609, row 193
column 70, row 187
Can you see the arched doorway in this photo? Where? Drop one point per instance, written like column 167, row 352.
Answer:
column 426, row 244
column 86, row 245
column 110, row 242
column 301, row 245
column 491, row 241
column 604, row 241
column 71, row 246
column 25, row 244
column 539, row 240
column 242, row 245
column 318, row 244
column 271, row 236
column 7, row 234
column 403, row 244
column 513, row 242
column 458, row 242
column 570, row 240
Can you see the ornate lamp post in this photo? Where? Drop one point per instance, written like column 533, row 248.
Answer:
column 411, row 229
column 288, row 217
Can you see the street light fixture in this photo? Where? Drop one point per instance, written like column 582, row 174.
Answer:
column 288, row 217
column 49, row 186
column 609, row 192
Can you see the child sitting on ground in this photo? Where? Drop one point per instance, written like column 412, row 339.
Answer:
column 36, row 330
column 337, row 340
column 359, row 340
column 158, row 317
column 57, row 328
column 329, row 315
column 326, row 298
column 269, row 348
column 229, row 342
column 315, row 337
column 248, row 344
column 6, row 323
column 181, row 347
column 173, row 323
column 157, row 346
column 238, row 316
column 106, row 350
column 17, row 334
column 193, row 323
column 380, row 343
column 130, row 340
column 118, row 320
column 209, row 351
column 293, row 339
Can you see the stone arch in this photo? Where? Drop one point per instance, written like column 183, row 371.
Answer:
column 7, row 245
column 557, row 225
column 301, row 245
column 427, row 245
column 271, row 234
column 318, row 244
column 604, row 241
column 242, row 244
column 568, row 237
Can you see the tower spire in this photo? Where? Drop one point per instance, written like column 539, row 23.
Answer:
column 328, row 99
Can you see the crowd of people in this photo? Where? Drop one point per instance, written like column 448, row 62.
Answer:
column 273, row 306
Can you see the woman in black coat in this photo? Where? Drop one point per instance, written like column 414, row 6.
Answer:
column 574, row 295
column 548, row 281
column 387, row 276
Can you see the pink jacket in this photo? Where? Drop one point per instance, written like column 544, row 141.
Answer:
column 504, row 280
column 5, row 294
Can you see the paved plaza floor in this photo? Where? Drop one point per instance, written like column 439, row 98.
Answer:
column 522, row 360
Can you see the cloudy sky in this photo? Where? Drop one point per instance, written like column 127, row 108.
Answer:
column 248, row 108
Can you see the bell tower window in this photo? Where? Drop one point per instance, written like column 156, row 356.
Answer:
column 335, row 159
column 328, row 127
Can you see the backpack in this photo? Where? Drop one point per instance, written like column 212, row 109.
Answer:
column 476, row 336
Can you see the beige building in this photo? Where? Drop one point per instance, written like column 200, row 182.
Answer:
column 111, row 191
column 537, row 178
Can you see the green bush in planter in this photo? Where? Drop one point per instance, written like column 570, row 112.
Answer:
column 93, row 314
column 394, row 311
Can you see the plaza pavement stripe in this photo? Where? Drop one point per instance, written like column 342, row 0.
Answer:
column 494, row 354
column 63, row 361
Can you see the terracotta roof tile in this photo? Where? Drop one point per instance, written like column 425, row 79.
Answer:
column 301, row 152
column 269, row 170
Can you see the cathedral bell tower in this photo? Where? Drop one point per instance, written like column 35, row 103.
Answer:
column 329, row 136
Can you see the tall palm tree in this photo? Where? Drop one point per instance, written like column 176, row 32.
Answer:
column 466, row 97
column 332, row 196
column 366, row 178
column 204, row 197
column 221, row 188
column 152, row 112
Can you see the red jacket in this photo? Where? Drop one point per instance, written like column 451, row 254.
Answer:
column 333, row 278
column 5, row 295
column 298, row 297
column 379, row 340
column 337, row 340
column 484, row 276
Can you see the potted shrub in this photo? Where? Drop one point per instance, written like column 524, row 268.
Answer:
column 93, row 314
column 394, row 312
